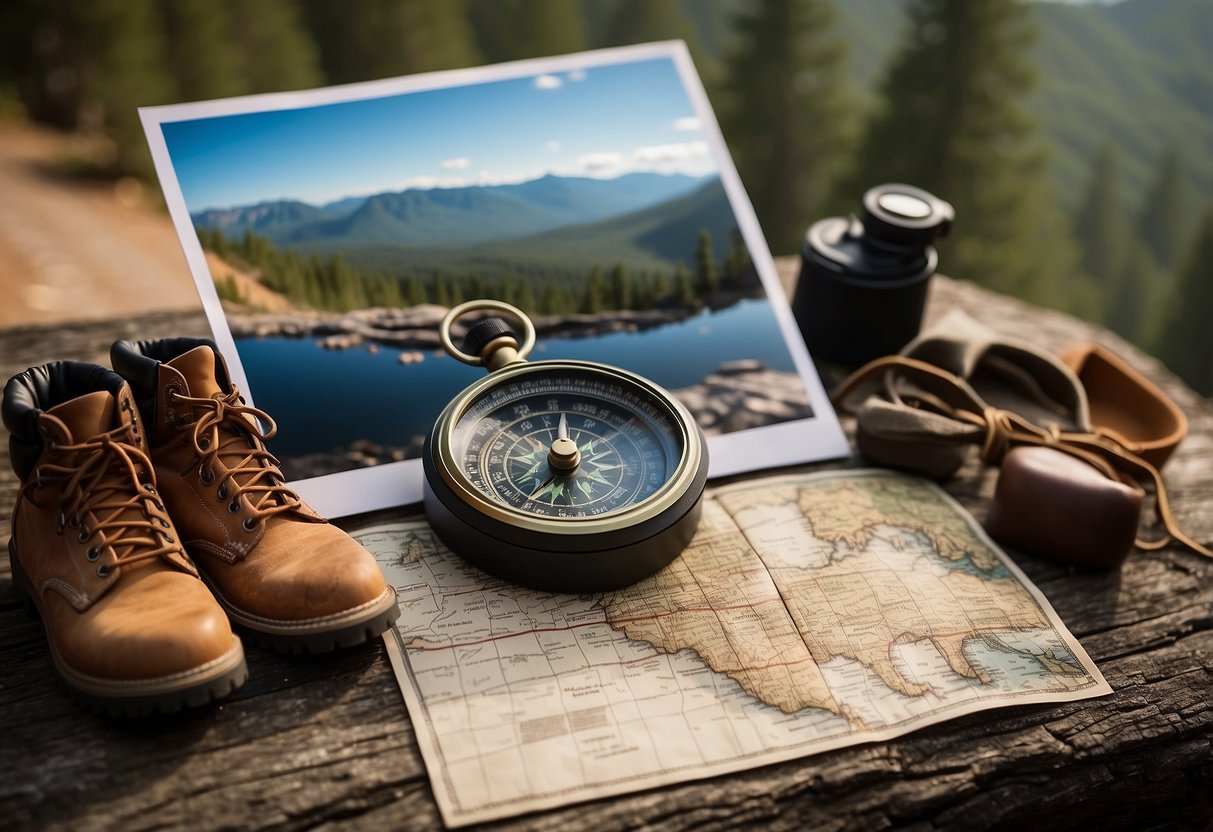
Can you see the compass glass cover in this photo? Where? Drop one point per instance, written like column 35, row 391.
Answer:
column 628, row 443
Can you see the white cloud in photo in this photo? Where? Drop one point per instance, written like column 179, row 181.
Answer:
column 465, row 180
column 686, row 124
column 547, row 82
column 690, row 158
column 673, row 152
column 420, row 183
column 576, row 75
column 604, row 161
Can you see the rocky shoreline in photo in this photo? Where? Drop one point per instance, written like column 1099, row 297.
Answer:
column 739, row 395
column 416, row 327
column 745, row 394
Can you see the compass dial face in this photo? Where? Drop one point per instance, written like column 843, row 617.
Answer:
column 628, row 444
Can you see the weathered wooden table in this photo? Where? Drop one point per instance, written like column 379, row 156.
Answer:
column 325, row 740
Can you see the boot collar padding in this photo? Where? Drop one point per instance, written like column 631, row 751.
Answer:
column 27, row 395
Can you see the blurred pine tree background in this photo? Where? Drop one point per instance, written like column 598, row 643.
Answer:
column 1074, row 140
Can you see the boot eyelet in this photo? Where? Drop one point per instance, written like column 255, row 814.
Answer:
column 92, row 554
column 221, row 492
column 149, row 488
column 60, row 522
column 250, row 524
column 73, row 520
column 205, row 475
column 163, row 522
column 126, row 404
column 103, row 571
column 168, row 538
column 234, row 506
column 204, row 442
column 84, row 535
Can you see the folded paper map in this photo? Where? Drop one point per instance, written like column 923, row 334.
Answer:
column 809, row 613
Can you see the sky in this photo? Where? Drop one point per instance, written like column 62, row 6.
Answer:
column 602, row 121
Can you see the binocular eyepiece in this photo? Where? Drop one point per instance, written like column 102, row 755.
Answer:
column 863, row 280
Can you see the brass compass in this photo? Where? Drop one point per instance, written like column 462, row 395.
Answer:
column 567, row 476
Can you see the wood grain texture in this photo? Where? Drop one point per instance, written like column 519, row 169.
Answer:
column 325, row 741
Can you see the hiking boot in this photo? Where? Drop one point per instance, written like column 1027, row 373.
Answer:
column 131, row 627
column 281, row 571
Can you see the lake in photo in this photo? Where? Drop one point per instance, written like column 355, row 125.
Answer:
column 324, row 400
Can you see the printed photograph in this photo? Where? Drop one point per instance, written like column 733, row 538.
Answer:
column 337, row 235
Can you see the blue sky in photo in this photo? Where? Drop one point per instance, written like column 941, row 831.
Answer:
column 602, row 121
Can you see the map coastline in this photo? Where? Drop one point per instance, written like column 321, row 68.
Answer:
column 525, row 701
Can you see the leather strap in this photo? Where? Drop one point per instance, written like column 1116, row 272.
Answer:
column 942, row 393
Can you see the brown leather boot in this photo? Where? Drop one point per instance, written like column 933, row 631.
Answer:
column 278, row 568
column 131, row 627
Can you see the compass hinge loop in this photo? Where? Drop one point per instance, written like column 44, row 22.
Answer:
column 494, row 342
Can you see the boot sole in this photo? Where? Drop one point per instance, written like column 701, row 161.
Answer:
column 139, row 697
column 315, row 635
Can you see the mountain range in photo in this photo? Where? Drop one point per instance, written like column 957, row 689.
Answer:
column 644, row 220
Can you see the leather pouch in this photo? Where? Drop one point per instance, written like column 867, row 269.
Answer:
column 1057, row 506
column 1125, row 405
column 920, row 417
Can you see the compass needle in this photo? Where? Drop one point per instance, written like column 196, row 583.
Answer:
column 543, row 486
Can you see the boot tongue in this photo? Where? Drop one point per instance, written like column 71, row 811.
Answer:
column 197, row 367
column 87, row 416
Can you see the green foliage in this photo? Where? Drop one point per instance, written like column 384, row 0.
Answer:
column 1129, row 298
column 436, row 34
column 595, row 293
column 953, row 122
column 332, row 282
column 277, row 52
column 950, row 112
column 1185, row 340
column 90, row 64
column 737, row 265
column 1161, row 220
column 507, row 30
column 684, row 287
column 123, row 67
column 203, row 54
column 641, row 21
column 644, row 21
column 227, row 290
column 1135, row 73
column 1098, row 227
column 707, row 274
column 621, row 288
column 784, row 110
column 362, row 39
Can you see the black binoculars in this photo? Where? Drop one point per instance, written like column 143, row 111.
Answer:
column 863, row 279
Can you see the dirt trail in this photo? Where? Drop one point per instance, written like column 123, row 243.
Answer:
column 73, row 250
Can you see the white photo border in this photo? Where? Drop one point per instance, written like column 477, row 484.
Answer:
column 384, row 486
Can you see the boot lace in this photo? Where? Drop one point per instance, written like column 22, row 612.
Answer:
column 231, row 431
column 105, row 477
